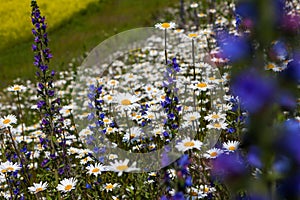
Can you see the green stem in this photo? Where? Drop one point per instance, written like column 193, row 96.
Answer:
column 166, row 53
column 193, row 54
column 20, row 115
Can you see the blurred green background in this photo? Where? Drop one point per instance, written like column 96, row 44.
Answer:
column 74, row 27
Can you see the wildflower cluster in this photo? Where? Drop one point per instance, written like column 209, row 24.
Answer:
column 214, row 122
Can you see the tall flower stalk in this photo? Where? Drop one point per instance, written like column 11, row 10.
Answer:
column 48, row 105
column 165, row 26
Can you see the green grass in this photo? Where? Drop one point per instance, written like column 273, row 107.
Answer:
column 83, row 31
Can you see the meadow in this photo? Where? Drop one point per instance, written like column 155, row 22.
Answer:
column 88, row 21
column 204, row 104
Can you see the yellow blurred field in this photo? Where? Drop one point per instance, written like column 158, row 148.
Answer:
column 15, row 20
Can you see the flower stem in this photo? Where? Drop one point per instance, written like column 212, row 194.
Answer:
column 166, row 53
column 20, row 115
column 193, row 55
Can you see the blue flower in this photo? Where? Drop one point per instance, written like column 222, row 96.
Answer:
column 279, row 51
column 253, row 157
column 293, row 69
column 254, row 90
column 229, row 167
column 88, row 186
column 178, row 196
column 233, row 47
column 288, row 143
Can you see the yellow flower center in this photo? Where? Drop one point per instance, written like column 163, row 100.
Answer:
column 10, row 169
column 95, row 170
column 213, row 154
column 68, row 111
column 270, row 66
column 217, row 125
column 192, row 118
column 151, row 116
column 68, row 187
column 215, row 116
column 206, row 189
column 6, row 121
column 109, row 186
column 189, row 144
column 122, row 167
column 165, row 25
column 231, row 148
column 192, row 35
column 125, row 102
column 3, row 170
column 193, row 193
column 201, row 85
column 17, row 88
column 105, row 120
column 113, row 82
column 38, row 189
column 109, row 129
column 109, row 98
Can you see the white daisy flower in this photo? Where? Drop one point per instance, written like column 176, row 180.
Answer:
column 16, row 88
column 115, row 198
column 217, row 125
column 110, row 130
column 188, row 144
column 213, row 79
column 122, row 166
column 126, row 101
column 9, row 167
column 201, row 15
column 191, row 116
column 231, row 146
column 95, row 169
column 194, row 5
column 106, row 120
column 8, row 120
column 165, row 25
column 213, row 153
column 207, row 189
column 108, row 98
column 112, row 156
column 158, row 131
column 38, row 187
column 214, row 117
column 134, row 132
column 196, row 192
column 67, row 184
column 113, row 83
column 85, row 160
column 72, row 150
column 109, row 186
column 66, row 111
column 85, row 132
column 201, row 86
column 179, row 31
